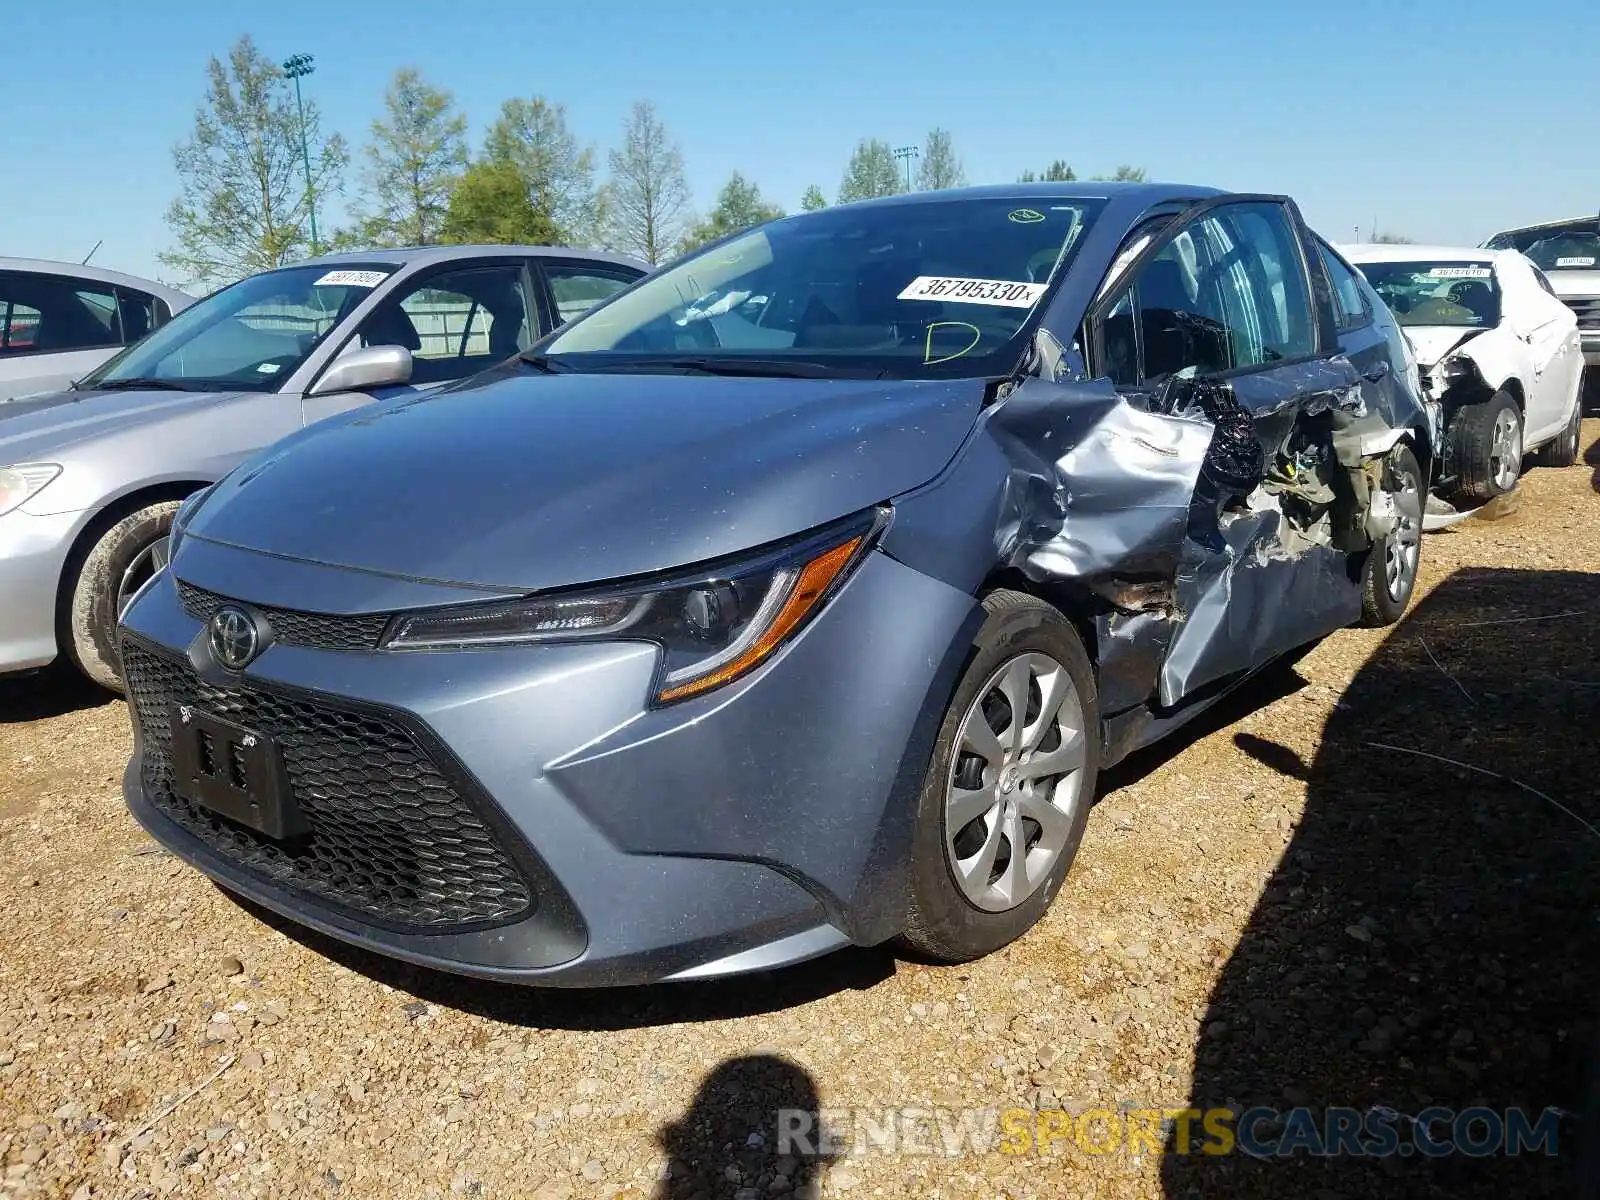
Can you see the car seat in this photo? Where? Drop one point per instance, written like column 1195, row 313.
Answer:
column 390, row 326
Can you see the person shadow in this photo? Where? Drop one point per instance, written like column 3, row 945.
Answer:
column 1430, row 938
column 750, row 1132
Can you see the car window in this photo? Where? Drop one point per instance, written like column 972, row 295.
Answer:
column 137, row 313
column 1459, row 292
column 940, row 288
column 577, row 289
column 1349, row 308
column 49, row 313
column 249, row 336
column 455, row 323
column 1226, row 293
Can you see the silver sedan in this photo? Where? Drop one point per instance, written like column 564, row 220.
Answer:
column 91, row 476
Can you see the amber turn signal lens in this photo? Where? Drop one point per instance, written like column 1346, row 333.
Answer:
column 814, row 581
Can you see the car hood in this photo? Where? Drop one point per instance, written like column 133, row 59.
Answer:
column 40, row 427
column 1433, row 342
column 525, row 482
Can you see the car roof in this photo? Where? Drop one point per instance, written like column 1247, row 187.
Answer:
column 405, row 256
column 1396, row 252
column 1089, row 189
column 46, row 266
column 1586, row 218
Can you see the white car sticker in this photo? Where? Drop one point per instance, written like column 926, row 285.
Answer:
column 269, row 368
column 1460, row 273
column 352, row 279
column 1006, row 293
column 1582, row 261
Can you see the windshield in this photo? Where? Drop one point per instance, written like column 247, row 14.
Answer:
column 1437, row 293
column 247, row 337
column 933, row 288
column 1574, row 246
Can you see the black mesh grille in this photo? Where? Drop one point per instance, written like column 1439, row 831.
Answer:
column 390, row 838
column 315, row 630
column 1586, row 309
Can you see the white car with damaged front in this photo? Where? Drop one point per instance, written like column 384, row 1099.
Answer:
column 1495, row 348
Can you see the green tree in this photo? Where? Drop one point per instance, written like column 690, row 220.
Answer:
column 940, row 168
column 418, row 151
column 1059, row 171
column 559, row 174
column 1393, row 239
column 242, row 207
column 491, row 204
column 1123, row 174
column 872, row 172
column 813, row 199
column 647, row 197
column 739, row 206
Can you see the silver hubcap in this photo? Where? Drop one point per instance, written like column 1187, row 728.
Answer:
column 1015, row 783
column 1505, row 449
column 148, row 561
column 1403, row 547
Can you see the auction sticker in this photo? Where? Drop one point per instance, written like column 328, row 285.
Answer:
column 352, row 279
column 1578, row 261
column 1460, row 273
column 1006, row 293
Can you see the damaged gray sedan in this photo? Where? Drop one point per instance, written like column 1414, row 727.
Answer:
column 792, row 598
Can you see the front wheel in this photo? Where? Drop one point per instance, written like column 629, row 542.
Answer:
column 1009, row 787
column 1389, row 572
column 1486, row 448
column 119, row 563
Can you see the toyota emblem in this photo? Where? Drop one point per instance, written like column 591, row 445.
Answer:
column 235, row 640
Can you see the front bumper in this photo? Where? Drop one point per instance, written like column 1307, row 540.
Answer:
column 33, row 551
column 760, row 825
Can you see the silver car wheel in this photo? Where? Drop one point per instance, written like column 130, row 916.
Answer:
column 1015, row 782
column 146, row 563
column 1403, row 547
column 1505, row 449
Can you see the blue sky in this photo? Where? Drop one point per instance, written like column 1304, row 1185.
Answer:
column 1441, row 119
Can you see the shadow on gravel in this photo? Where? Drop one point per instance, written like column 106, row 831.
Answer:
column 1430, row 937
column 52, row 692
column 712, row 1139
column 601, row 1008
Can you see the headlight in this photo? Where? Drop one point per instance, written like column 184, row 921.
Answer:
column 713, row 625
column 18, row 485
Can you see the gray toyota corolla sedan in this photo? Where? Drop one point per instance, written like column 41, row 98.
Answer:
column 791, row 598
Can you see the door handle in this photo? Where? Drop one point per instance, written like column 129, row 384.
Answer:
column 1376, row 373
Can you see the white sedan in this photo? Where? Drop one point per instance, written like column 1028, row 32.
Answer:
column 1498, row 350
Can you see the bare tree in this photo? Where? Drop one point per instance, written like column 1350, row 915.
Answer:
column 647, row 195
column 243, row 207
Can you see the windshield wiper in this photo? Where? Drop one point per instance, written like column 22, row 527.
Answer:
column 543, row 362
column 772, row 367
column 136, row 384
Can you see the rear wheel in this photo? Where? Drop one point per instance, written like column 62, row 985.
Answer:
column 1010, row 785
column 117, row 565
column 1563, row 452
column 1486, row 448
column 1389, row 573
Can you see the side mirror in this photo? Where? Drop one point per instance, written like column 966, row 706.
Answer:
column 374, row 366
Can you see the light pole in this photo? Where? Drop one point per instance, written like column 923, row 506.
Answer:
column 905, row 154
column 297, row 67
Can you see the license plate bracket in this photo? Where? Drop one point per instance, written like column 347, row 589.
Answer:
column 233, row 771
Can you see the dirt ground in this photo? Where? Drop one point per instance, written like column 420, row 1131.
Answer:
column 1287, row 906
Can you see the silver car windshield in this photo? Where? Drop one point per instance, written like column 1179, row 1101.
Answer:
column 934, row 288
column 250, row 336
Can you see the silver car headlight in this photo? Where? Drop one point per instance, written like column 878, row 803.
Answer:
column 714, row 624
column 20, row 484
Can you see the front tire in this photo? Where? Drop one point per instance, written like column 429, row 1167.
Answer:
column 1486, row 449
column 119, row 563
column 1389, row 572
column 1008, row 791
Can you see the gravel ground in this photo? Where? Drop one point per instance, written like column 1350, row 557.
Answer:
column 1269, row 911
